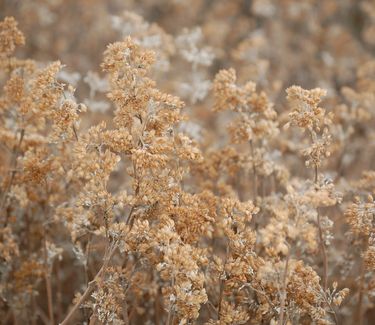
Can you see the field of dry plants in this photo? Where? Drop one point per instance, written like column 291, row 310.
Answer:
column 187, row 162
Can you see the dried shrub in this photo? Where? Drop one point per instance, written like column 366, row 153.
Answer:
column 188, row 180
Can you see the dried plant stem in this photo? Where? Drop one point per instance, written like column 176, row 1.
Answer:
column 75, row 133
column 262, row 293
column 33, row 317
column 42, row 315
column 58, row 290
column 359, row 315
column 129, row 220
column 255, row 175
column 90, row 287
column 324, row 255
column 86, row 266
column 283, row 292
column 48, row 284
column 130, row 216
column 49, row 298
column 321, row 240
column 93, row 320
column 170, row 312
column 222, row 283
column 332, row 310
column 156, row 306
column 87, row 253
column 213, row 308
column 125, row 313
column 335, row 317
column 85, row 295
column 273, row 183
column 13, row 165
column 169, row 318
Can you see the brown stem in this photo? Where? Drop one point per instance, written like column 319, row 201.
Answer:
column 335, row 317
column 359, row 315
column 170, row 312
column 129, row 219
column 255, row 175
column 332, row 310
column 93, row 320
column 283, row 293
column 324, row 254
column 42, row 315
column 321, row 240
column 75, row 132
column 222, row 283
column 35, row 315
column 90, row 288
column 13, row 165
column 58, row 290
column 125, row 313
column 85, row 295
column 86, row 267
column 48, row 283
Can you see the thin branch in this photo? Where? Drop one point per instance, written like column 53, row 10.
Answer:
column 324, row 254
column 283, row 292
column 359, row 313
column 321, row 240
column 170, row 311
column 13, row 168
column 255, row 174
column 90, row 287
column 48, row 284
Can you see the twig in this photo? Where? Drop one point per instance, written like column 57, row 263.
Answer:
column 48, row 283
column 324, row 253
column 13, row 164
column 90, row 287
column 222, row 283
column 255, row 175
column 170, row 311
column 360, row 298
column 321, row 239
column 58, row 290
column 283, row 293
column 75, row 133
column 332, row 311
column 42, row 315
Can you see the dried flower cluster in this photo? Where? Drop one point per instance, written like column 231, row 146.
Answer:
column 181, row 177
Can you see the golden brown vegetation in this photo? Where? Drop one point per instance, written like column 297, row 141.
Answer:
column 243, row 200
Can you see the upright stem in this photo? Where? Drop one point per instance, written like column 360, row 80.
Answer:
column 170, row 312
column 255, row 176
column 58, row 290
column 222, row 283
column 48, row 283
column 13, row 165
column 359, row 315
column 324, row 253
column 33, row 317
column 83, row 298
column 321, row 239
column 90, row 287
column 283, row 293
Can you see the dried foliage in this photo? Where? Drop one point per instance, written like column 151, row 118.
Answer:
column 180, row 176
